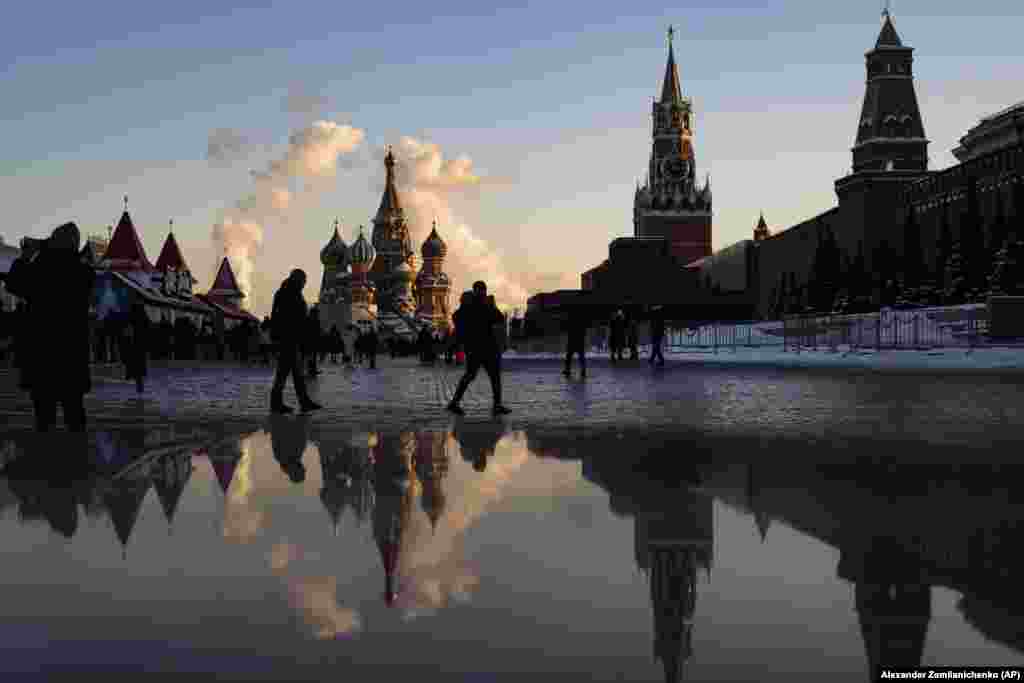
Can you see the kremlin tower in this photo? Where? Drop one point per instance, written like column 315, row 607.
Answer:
column 432, row 283
column 670, row 205
column 761, row 232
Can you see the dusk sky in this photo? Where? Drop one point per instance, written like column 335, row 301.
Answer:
column 550, row 102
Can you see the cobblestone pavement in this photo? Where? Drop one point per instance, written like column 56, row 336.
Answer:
column 687, row 402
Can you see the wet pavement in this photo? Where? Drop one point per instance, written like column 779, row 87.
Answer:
column 823, row 412
column 309, row 550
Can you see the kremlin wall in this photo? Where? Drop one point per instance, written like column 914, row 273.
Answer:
column 895, row 219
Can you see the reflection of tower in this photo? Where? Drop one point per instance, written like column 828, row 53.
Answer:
column 761, row 519
column 893, row 603
column 170, row 476
column 431, row 464
column 348, row 479
column 671, row 547
column 392, row 511
column 894, row 622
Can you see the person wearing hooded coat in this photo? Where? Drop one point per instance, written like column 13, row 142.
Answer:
column 617, row 336
column 58, row 288
column 287, row 326
column 136, row 351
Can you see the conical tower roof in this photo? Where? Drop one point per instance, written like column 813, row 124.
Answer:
column 125, row 251
column 888, row 37
column 225, row 283
column 170, row 255
column 389, row 203
column 670, row 90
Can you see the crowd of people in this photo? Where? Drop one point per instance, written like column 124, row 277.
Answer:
column 57, row 337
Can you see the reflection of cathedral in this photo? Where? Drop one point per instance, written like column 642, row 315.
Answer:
column 392, row 294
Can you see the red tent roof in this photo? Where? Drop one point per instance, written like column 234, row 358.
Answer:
column 225, row 283
column 170, row 255
column 125, row 251
column 227, row 308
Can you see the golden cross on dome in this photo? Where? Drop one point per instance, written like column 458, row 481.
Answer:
column 671, row 32
column 126, row 202
column 336, row 223
column 885, row 10
column 171, row 223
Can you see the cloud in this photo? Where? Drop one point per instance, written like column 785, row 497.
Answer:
column 300, row 101
column 311, row 156
column 427, row 182
column 225, row 145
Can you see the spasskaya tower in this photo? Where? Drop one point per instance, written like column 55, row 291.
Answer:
column 670, row 205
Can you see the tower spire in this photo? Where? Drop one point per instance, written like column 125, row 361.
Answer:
column 670, row 90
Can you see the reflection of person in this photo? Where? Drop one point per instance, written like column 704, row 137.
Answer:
column 288, row 439
column 478, row 321
column 478, row 443
column 288, row 324
column 657, row 335
column 56, row 363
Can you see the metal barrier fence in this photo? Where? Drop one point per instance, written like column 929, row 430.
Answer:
column 964, row 327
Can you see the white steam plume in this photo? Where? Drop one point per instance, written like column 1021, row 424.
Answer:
column 311, row 156
column 427, row 181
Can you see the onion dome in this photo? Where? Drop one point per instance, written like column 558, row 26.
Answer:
column 362, row 252
column 335, row 252
column 434, row 246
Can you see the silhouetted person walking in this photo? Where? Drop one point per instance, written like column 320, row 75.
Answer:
column 633, row 339
column 617, row 335
column 288, row 325
column 56, row 353
column 657, row 335
column 311, row 342
column 135, row 352
column 576, row 327
column 478, row 321
column 371, row 344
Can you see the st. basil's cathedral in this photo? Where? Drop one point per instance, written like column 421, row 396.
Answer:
column 375, row 282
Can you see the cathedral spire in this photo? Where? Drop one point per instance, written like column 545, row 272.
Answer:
column 670, row 90
column 389, row 201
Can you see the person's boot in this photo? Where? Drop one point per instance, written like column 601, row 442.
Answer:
column 309, row 405
column 499, row 409
column 454, row 407
column 282, row 409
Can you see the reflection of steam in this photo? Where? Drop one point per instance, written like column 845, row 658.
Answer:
column 242, row 520
column 432, row 560
column 428, row 181
column 315, row 597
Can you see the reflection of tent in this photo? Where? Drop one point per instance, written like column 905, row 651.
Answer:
column 124, row 502
column 172, row 475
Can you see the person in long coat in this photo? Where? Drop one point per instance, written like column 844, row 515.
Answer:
column 58, row 288
column 617, row 336
column 136, row 352
column 477, row 323
column 288, row 324
column 371, row 344
column 576, row 334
